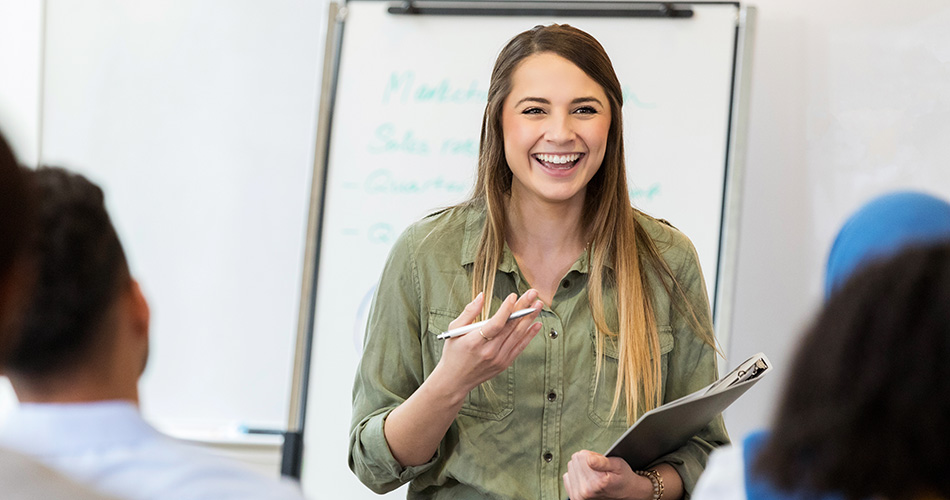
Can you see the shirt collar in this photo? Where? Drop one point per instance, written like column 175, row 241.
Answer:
column 53, row 428
column 475, row 221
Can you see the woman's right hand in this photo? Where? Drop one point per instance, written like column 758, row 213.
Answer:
column 476, row 357
column 415, row 428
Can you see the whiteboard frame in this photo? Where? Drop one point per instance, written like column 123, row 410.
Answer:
column 724, row 298
column 292, row 449
column 729, row 234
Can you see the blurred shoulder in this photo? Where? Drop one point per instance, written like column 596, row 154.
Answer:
column 184, row 470
column 24, row 479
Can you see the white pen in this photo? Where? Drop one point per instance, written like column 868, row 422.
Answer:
column 462, row 330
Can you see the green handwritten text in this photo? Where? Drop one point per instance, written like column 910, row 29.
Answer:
column 402, row 87
column 629, row 97
column 387, row 139
column 645, row 194
column 383, row 181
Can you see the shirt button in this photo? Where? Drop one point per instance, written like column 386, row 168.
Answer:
column 553, row 334
column 548, row 457
column 552, row 396
column 566, row 284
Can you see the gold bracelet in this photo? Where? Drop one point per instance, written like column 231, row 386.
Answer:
column 654, row 478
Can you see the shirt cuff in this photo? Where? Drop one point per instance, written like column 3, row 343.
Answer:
column 375, row 464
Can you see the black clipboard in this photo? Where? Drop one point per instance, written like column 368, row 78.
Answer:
column 666, row 428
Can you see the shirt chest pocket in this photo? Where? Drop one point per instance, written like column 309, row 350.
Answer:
column 602, row 388
column 493, row 400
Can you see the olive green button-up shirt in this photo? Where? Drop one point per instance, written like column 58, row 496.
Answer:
column 515, row 441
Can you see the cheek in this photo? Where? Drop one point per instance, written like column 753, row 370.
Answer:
column 518, row 141
column 597, row 142
column 595, row 137
column 602, row 131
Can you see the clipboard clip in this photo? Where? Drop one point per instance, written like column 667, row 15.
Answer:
column 753, row 371
column 748, row 370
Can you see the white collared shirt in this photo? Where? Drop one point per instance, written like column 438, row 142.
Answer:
column 724, row 477
column 24, row 479
column 109, row 446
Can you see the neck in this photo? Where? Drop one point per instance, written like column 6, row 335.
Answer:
column 73, row 388
column 537, row 226
column 545, row 241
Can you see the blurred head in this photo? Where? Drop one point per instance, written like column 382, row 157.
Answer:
column 583, row 52
column 84, row 296
column 15, row 219
column 865, row 408
column 883, row 227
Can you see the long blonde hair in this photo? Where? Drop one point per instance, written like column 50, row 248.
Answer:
column 614, row 235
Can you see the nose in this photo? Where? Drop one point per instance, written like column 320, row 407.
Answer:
column 560, row 129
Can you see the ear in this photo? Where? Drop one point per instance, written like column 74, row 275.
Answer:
column 139, row 309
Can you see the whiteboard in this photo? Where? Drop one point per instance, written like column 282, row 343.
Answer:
column 406, row 114
column 197, row 119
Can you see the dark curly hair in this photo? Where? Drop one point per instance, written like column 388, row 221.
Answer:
column 866, row 406
column 81, row 269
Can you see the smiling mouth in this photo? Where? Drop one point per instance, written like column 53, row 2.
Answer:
column 558, row 161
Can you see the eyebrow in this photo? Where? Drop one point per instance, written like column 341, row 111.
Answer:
column 542, row 100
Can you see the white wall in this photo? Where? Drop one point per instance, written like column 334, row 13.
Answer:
column 198, row 120
column 21, row 43
column 850, row 99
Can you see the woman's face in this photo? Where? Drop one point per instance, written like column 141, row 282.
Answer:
column 555, row 123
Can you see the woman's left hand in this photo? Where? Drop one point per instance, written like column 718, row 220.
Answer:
column 593, row 476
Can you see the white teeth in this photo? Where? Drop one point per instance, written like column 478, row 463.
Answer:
column 558, row 159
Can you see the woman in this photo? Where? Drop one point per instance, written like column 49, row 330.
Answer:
column 619, row 297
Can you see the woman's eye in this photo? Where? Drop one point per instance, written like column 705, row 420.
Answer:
column 587, row 110
column 532, row 111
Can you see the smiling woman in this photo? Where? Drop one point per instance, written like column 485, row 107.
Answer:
column 504, row 412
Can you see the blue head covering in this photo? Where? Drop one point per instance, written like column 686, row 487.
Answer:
column 881, row 228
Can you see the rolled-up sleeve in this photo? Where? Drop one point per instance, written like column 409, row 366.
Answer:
column 390, row 371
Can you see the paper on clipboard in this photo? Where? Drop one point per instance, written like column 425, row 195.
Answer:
column 668, row 427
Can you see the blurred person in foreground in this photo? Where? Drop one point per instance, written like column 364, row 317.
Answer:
column 856, row 373
column 83, row 346
column 21, row 478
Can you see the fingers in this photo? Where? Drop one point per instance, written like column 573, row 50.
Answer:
column 493, row 347
column 471, row 311
column 578, row 479
column 499, row 321
column 568, row 486
column 516, row 334
column 598, row 462
column 584, row 478
column 522, row 332
column 527, row 299
column 592, row 475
